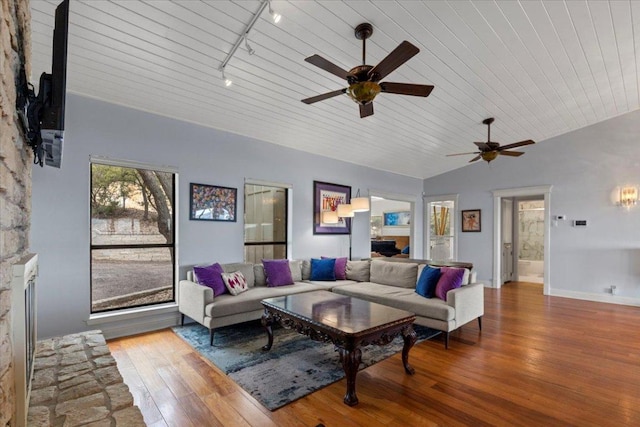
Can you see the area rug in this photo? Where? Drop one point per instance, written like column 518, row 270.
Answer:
column 294, row 367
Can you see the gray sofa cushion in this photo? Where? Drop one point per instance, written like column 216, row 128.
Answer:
column 401, row 274
column 402, row 298
column 243, row 267
column 261, row 278
column 306, row 269
column 327, row 285
column 296, row 269
column 358, row 271
column 227, row 304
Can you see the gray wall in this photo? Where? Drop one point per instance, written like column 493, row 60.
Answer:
column 60, row 222
column 584, row 167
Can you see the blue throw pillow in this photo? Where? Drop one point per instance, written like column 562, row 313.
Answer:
column 427, row 282
column 323, row 269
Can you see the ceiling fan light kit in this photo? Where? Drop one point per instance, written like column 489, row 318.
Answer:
column 364, row 80
column 363, row 92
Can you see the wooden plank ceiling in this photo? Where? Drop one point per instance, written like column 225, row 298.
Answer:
column 541, row 68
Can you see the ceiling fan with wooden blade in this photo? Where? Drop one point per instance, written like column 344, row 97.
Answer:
column 364, row 80
column 490, row 150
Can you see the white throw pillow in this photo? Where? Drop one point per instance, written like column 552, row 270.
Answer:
column 235, row 282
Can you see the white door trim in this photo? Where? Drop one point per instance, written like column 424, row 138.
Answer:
column 544, row 190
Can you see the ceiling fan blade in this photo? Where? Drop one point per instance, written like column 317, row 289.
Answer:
column 406, row 89
column 516, row 144
column 324, row 96
column 511, row 153
column 483, row 146
column 327, row 65
column 396, row 58
column 462, row 154
column 366, row 110
column 474, row 159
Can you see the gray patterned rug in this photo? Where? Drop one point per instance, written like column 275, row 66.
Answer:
column 294, row 367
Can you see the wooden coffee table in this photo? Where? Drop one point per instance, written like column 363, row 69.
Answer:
column 347, row 322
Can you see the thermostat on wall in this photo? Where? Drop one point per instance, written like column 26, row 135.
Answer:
column 580, row 223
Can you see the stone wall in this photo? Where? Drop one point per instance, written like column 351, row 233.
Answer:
column 15, row 183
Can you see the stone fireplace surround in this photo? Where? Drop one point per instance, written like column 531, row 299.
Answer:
column 76, row 382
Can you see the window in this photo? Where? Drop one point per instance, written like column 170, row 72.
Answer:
column 132, row 236
column 265, row 222
column 441, row 235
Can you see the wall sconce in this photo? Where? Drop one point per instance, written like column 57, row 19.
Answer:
column 628, row 196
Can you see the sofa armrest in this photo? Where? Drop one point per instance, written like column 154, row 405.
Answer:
column 193, row 299
column 468, row 301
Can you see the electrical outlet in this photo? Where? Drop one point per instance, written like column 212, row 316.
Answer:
column 613, row 290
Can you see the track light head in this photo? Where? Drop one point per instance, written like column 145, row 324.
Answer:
column 274, row 15
column 246, row 44
column 227, row 82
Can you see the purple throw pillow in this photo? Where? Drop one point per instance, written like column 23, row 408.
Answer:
column 211, row 276
column 450, row 278
column 340, row 268
column 278, row 272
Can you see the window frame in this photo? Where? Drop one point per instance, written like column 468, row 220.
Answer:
column 172, row 246
column 427, row 200
column 288, row 215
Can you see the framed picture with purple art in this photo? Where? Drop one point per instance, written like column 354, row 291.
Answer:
column 212, row 203
column 326, row 198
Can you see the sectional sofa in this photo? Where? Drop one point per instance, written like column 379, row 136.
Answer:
column 387, row 281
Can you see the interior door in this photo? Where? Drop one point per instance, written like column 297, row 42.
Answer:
column 507, row 240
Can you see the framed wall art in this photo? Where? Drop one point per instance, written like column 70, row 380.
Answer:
column 471, row 220
column 212, row 203
column 326, row 198
column 397, row 219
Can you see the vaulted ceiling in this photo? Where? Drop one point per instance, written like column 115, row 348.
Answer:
column 541, row 68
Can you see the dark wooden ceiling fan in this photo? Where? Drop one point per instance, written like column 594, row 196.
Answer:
column 364, row 80
column 490, row 150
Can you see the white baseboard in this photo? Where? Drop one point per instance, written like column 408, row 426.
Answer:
column 588, row 296
column 140, row 325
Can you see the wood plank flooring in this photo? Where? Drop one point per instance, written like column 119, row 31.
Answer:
column 542, row 361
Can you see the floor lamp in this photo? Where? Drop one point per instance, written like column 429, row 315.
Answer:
column 348, row 210
column 345, row 211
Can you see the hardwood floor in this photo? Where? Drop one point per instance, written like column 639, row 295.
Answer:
column 543, row 361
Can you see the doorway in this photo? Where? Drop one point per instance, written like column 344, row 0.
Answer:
column 390, row 227
column 530, row 239
column 508, row 267
column 540, row 193
column 380, row 203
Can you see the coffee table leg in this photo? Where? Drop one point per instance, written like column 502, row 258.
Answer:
column 350, row 363
column 410, row 338
column 267, row 321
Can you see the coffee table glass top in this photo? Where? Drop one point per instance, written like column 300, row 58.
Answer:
column 347, row 314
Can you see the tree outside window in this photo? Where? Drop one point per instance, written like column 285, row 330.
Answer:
column 132, row 237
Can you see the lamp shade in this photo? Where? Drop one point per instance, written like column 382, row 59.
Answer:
column 345, row 210
column 330, row 217
column 360, row 204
